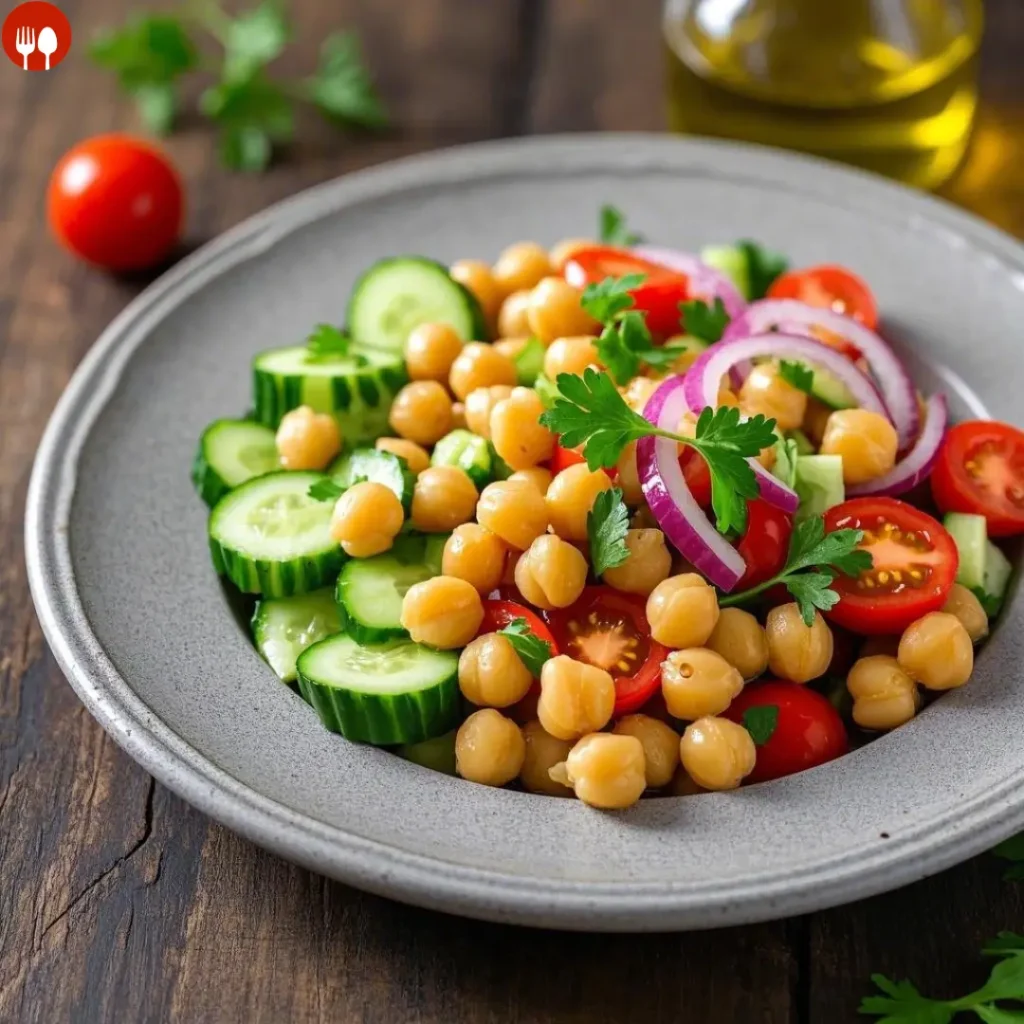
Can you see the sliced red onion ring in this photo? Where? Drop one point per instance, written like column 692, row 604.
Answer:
column 705, row 282
column 670, row 500
column 919, row 461
column 890, row 375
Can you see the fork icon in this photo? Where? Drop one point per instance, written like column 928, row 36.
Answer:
column 25, row 43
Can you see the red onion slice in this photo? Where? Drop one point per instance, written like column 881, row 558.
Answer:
column 919, row 461
column 670, row 500
column 705, row 282
column 890, row 375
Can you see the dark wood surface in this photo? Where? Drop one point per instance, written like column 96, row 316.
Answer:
column 118, row 902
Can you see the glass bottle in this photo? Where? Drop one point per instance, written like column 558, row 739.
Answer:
column 890, row 85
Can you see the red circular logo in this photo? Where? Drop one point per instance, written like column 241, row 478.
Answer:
column 36, row 35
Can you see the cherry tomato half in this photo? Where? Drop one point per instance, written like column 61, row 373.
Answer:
column 609, row 629
column 563, row 458
column 765, row 543
column 116, row 201
column 697, row 477
column 981, row 470
column 808, row 732
column 915, row 564
column 659, row 295
column 830, row 287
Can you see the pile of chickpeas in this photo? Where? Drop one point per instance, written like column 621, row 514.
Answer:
column 531, row 530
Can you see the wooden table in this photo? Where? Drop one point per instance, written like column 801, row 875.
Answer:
column 120, row 902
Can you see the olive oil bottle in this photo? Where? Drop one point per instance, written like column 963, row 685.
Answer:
column 890, row 85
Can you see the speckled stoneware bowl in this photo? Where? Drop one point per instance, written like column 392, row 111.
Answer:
column 121, row 574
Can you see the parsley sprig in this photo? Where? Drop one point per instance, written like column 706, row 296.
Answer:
column 763, row 267
column 703, row 321
column 613, row 228
column 607, row 526
column 797, row 375
column 326, row 342
column 532, row 650
column 761, row 721
column 590, row 411
column 815, row 559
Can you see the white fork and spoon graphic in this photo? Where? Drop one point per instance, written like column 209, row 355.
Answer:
column 25, row 44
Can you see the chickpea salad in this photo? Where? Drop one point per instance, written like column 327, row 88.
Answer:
column 610, row 519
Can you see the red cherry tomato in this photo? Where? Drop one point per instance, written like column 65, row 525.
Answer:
column 563, row 458
column 981, row 470
column 830, row 287
column 609, row 629
column 697, row 477
column 808, row 731
column 765, row 543
column 914, row 565
column 116, row 201
column 659, row 295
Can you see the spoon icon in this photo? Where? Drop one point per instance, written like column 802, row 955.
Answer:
column 47, row 43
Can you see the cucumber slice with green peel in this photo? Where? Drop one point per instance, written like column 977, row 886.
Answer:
column 378, row 466
column 831, row 390
column 469, row 452
column 283, row 627
column 970, row 533
column 818, row 480
column 385, row 694
column 357, row 388
column 803, row 442
column 997, row 578
column 437, row 754
column 269, row 537
column 231, row 452
column 397, row 295
column 732, row 261
column 529, row 362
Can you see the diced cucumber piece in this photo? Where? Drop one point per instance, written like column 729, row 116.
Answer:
column 378, row 466
column 470, row 452
column 803, row 442
column 731, row 260
column 751, row 267
column 529, row 361
column 269, row 537
column 819, row 484
column 786, row 455
column 437, row 754
column 397, row 295
column 386, row 694
column 433, row 550
column 997, row 578
column 547, row 390
column 231, row 452
column 357, row 389
column 970, row 534
column 831, row 390
column 283, row 627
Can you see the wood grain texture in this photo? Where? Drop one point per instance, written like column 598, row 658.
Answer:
column 119, row 902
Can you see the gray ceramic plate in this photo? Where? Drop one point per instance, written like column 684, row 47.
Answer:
column 121, row 575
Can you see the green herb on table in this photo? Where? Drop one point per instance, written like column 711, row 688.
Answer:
column 614, row 230
column 797, row 375
column 532, row 651
column 761, row 722
column 607, row 526
column 703, row 321
column 1012, row 850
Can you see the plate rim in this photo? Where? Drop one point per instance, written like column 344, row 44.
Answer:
column 378, row 866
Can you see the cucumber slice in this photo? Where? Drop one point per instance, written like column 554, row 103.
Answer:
column 397, row 295
column 732, row 261
column 803, row 442
column 378, row 466
column 831, row 390
column 398, row 692
column 997, row 578
column 530, row 362
column 467, row 451
column 269, row 537
column 283, row 627
column 357, row 389
column 970, row 533
column 819, row 483
column 231, row 452
column 437, row 754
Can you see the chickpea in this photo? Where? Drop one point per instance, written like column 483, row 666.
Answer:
column 628, row 477
column 458, row 416
column 726, row 396
column 521, row 266
column 515, row 510
column 307, row 439
column 421, row 412
column 489, row 748
column 647, row 565
column 536, row 475
column 739, row 638
column 555, row 311
column 444, row 497
column 570, row 355
column 696, row 682
column 480, row 403
column 884, row 696
column 491, row 673
column 480, row 366
column 565, row 250
column 937, row 652
column 682, row 611
column 415, row 456
column 764, row 391
column 551, row 573
column 796, row 651
column 477, row 277
column 967, row 608
column 512, row 317
column 575, row 698
column 660, row 743
column 430, row 351
column 510, row 347
column 816, row 419
column 605, row 770
column 716, row 753
column 638, row 391
column 443, row 612
column 866, row 441
column 543, row 752
column 366, row 519
column 475, row 555
column 516, row 431
column 571, row 496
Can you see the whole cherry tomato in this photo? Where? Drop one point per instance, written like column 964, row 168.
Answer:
column 765, row 543
column 830, row 287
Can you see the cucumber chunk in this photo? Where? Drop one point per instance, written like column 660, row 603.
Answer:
column 819, row 483
column 803, row 442
column 397, row 295
column 970, row 533
column 529, row 362
column 831, row 390
column 732, row 261
column 283, row 627
column 547, row 390
column 231, row 452
column 997, row 578
column 469, row 452
column 269, row 537
column 377, row 466
column 386, row 694
column 437, row 754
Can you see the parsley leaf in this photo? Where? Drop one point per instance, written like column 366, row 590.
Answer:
column 797, row 375
column 703, row 321
column 763, row 267
column 326, row 342
column 761, row 722
column 342, row 87
column 990, row 603
column 532, row 651
column 606, row 299
column 903, row 1004
column 613, row 228
column 1012, row 849
column 786, row 453
column 326, row 490
column 607, row 525
column 1004, row 944
column 252, row 40
column 253, row 114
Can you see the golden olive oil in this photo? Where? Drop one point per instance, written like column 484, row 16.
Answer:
column 890, row 85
